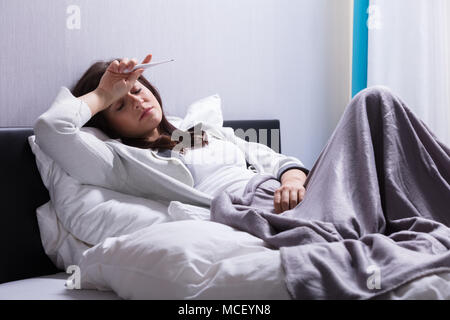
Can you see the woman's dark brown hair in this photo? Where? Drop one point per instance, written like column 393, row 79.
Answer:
column 89, row 82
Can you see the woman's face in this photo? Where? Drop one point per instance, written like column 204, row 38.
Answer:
column 136, row 115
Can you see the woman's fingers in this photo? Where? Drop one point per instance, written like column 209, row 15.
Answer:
column 126, row 65
column 286, row 198
column 114, row 66
column 301, row 194
column 293, row 199
column 123, row 64
column 147, row 58
column 133, row 62
column 281, row 200
column 129, row 65
column 277, row 201
column 135, row 75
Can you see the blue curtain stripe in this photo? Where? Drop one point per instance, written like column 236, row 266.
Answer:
column 360, row 40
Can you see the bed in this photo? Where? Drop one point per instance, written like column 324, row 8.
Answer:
column 212, row 260
column 27, row 272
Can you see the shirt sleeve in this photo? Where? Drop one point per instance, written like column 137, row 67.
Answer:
column 81, row 154
column 291, row 166
column 263, row 158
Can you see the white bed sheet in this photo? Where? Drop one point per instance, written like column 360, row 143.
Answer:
column 431, row 287
column 189, row 258
column 50, row 287
column 214, row 262
column 206, row 260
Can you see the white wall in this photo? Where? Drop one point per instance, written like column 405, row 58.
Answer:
column 284, row 59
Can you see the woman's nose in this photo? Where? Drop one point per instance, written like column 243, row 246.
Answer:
column 137, row 101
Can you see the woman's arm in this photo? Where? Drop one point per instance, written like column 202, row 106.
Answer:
column 96, row 100
column 293, row 174
column 82, row 155
column 288, row 170
column 263, row 158
column 291, row 192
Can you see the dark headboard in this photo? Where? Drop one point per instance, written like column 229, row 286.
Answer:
column 22, row 192
column 270, row 128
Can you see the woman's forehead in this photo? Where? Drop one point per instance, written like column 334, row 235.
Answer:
column 137, row 84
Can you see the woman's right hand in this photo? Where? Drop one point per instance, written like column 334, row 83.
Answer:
column 117, row 80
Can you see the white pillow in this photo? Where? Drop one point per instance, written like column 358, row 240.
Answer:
column 61, row 247
column 85, row 215
column 92, row 213
column 207, row 110
column 183, row 211
column 185, row 260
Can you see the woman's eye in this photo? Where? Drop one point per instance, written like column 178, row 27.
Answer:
column 131, row 93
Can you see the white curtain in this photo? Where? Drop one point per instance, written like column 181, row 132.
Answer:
column 408, row 51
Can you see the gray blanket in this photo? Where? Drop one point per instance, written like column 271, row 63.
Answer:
column 376, row 212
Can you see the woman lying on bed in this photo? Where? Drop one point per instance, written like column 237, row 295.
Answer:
column 126, row 106
column 376, row 200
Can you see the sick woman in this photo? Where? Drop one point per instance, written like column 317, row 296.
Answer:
column 376, row 196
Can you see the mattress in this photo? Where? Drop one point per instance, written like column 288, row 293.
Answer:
column 431, row 287
column 50, row 287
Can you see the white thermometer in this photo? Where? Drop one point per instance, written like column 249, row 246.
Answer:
column 151, row 64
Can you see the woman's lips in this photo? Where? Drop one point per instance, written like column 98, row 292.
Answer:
column 146, row 112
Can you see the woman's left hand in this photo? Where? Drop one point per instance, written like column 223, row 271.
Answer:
column 291, row 192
